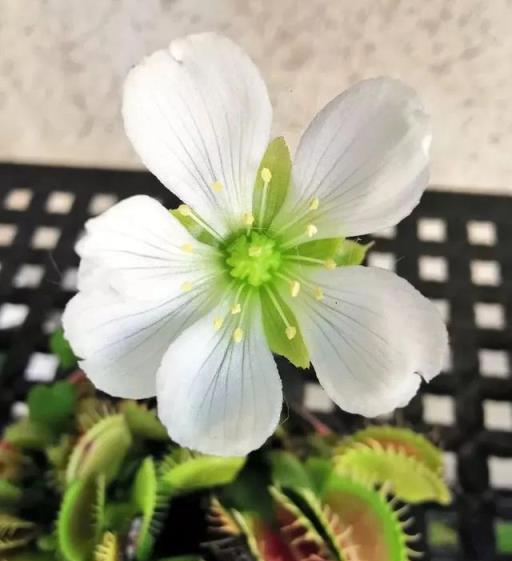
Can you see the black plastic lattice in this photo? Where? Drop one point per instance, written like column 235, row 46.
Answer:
column 455, row 248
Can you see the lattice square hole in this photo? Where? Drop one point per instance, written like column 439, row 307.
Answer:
column 493, row 363
column 7, row 234
column 388, row 234
column 433, row 268
column 489, row 316
column 18, row 199
column 485, row 273
column 481, row 232
column 438, row 409
column 500, row 472
column 497, row 415
column 450, row 466
column 69, row 279
column 12, row 315
column 315, row 399
column 45, row 237
column 382, row 260
column 19, row 410
column 60, row 202
column 447, row 362
column 28, row 276
column 431, row 229
column 41, row 367
column 101, row 202
column 52, row 321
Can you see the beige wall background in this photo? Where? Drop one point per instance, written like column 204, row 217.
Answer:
column 62, row 63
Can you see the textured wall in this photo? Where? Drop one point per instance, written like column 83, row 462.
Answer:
column 62, row 63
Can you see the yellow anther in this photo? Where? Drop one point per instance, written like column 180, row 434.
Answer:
column 186, row 286
column 254, row 251
column 217, row 187
column 290, row 331
column 187, row 247
column 248, row 219
column 266, row 175
column 319, row 293
column 184, row 210
column 314, row 204
column 238, row 334
column 311, row 230
column 330, row 264
column 236, row 309
column 218, row 322
column 295, row 289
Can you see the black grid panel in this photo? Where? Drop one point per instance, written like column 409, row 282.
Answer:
column 454, row 248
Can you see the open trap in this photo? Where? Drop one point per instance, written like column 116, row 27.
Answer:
column 455, row 248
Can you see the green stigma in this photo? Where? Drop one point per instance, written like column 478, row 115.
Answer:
column 253, row 258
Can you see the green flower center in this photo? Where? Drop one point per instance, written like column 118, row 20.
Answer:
column 253, row 258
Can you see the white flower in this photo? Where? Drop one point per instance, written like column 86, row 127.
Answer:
column 189, row 305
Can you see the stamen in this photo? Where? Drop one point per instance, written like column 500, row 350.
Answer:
column 314, row 204
column 295, row 288
column 187, row 247
column 330, row 264
column 217, row 187
column 185, row 210
column 187, row 286
column 319, row 293
column 238, row 334
column 218, row 322
column 311, row 230
column 254, row 251
column 290, row 331
column 248, row 218
column 236, row 308
column 266, row 175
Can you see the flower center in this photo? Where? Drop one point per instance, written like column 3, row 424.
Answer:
column 253, row 258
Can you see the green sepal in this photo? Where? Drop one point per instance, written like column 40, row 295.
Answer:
column 10, row 495
column 60, row 347
column 294, row 350
column 52, row 406
column 194, row 229
column 408, row 478
column 287, row 470
column 142, row 422
column 277, row 159
column 102, row 449
column 351, row 253
column 183, row 471
column 81, row 518
column 15, row 532
column 327, row 248
column 25, row 434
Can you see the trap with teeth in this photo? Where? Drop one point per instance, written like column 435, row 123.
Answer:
column 455, row 248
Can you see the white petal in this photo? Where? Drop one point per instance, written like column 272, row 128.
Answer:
column 218, row 396
column 365, row 157
column 122, row 341
column 196, row 113
column 371, row 338
column 139, row 249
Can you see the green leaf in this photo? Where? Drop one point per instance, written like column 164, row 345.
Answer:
column 102, row 449
column 184, row 472
column 319, row 471
column 142, row 422
column 277, row 160
column 81, row 518
column 27, row 435
column 351, row 253
column 194, row 229
column 288, row 471
column 60, row 347
column 275, row 330
column 52, row 406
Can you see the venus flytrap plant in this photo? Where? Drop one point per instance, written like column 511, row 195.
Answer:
column 189, row 305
